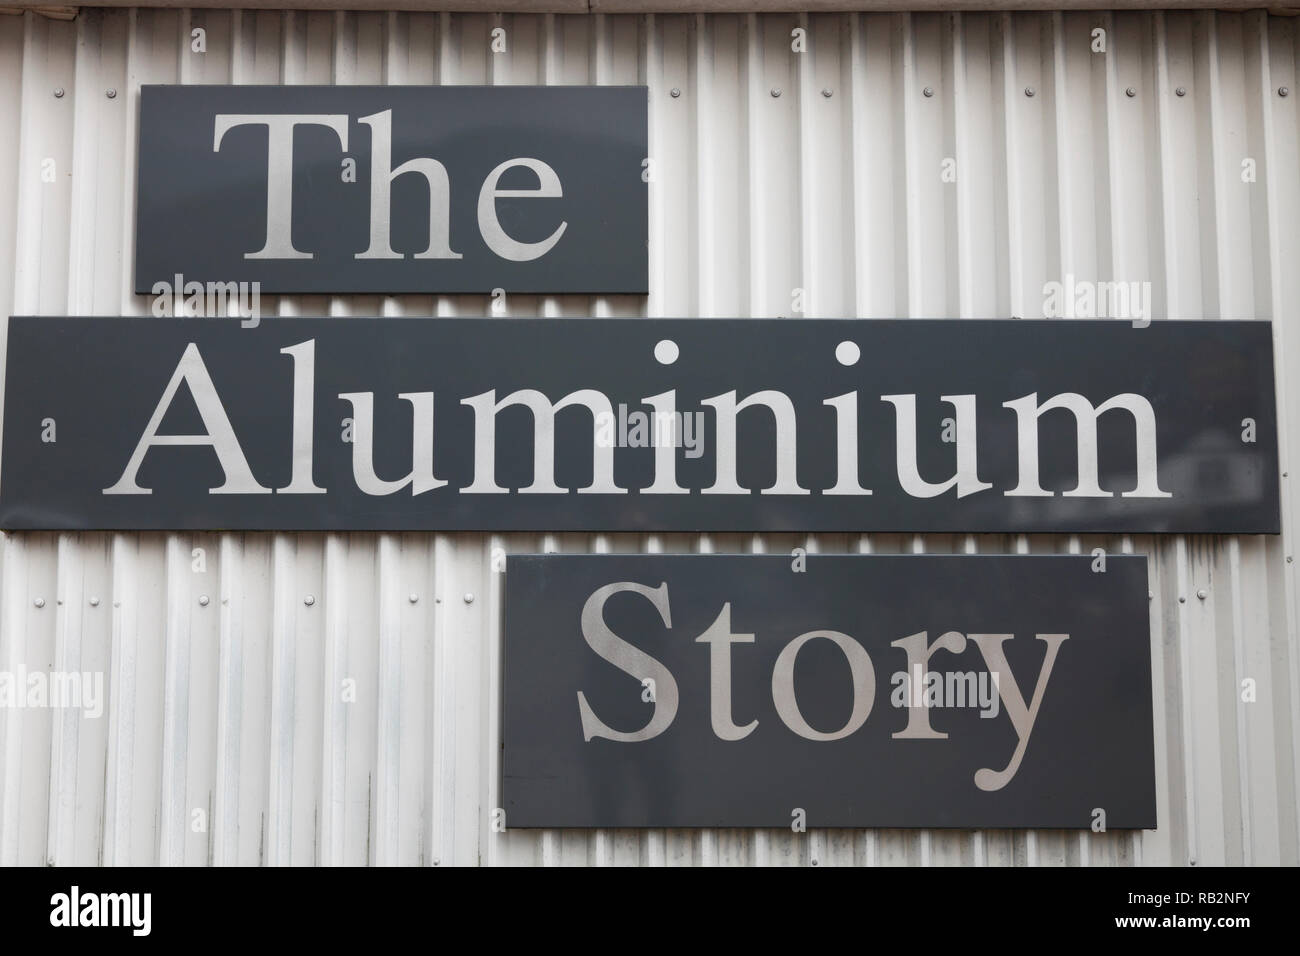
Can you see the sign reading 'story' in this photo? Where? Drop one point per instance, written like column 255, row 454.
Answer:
column 639, row 425
column 394, row 189
column 827, row 691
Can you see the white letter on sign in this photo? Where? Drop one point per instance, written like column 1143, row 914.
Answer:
column 1022, row 717
column 548, row 187
column 630, row 660
column 381, row 190
column 220, row 435
column 719, row 638
column 864, row 685
column 279, row 171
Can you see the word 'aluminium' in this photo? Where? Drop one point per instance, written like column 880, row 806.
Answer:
column 240, row 480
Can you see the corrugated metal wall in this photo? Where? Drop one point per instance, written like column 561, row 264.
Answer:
column 774, row 171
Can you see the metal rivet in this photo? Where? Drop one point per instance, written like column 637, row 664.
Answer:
column 674, row 92
column 1181, row 91
column 203, row 600
column 1283, row 91
column 413, row 598
column 1202, row 594
column 827, row 93
column 111, row 94
column 117, row 604
column 928, row 91
column 776, row 91
column 58, row 92
column 814, row 861
column 94, row 602
column 1182, row 599
column 1151, row 596
column 469, row 598
column 437, row 600
column 39, row 602
column 1286, row 474
column 309, row 600
column 1130, row 92
column 1289, row 559
column 436, row 861
column 1029, row 91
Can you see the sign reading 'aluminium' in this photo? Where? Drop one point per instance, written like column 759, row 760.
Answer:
column 668, row 425
column 836, row 691
column 393, row 188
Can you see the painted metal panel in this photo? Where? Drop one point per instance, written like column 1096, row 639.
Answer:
column 806, row 707
column 783, row 184
column 507, row 222
column 1084, row 426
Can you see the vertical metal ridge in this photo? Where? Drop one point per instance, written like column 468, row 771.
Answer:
column 962, row 139
column 651, row 75
column 911, row 224
column 1067, row 225
column 1012, row 178
column 751, row 73
column 1213, row 211
column 173, row 818
column 283, row 709
column 856, row 93
column 121, row 751
column 442, row 755
column 333, row 602
column 809, row 253
column 1282, row 612
column 388, row 700
column 64, row 740
column 493, row 676
column 1287, row 344
column 13, row 615
column 1242, row 743
column 700, row 63
column 230, row 696
column 82, row 243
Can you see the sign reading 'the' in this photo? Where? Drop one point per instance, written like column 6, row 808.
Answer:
column 827, row 691
column 393, row 189
column 639, row 425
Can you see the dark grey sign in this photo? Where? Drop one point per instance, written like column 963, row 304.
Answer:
column 827, row 691
column 650, row 425
column 393, row 188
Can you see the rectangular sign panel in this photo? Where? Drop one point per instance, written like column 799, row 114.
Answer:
column 828, row 691
column 393, row 188
column 640, row 425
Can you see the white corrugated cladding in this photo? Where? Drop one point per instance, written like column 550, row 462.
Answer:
column 774, row 171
